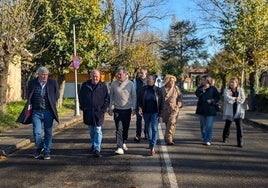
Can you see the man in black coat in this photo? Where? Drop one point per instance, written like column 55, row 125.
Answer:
column 42, row 96
column 138, row 84
column 94, row 100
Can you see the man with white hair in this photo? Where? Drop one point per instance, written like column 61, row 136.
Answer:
column 42, row 96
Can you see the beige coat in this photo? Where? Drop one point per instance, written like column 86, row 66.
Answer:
column 172, row 104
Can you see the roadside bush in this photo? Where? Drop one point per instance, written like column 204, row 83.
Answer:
column 7, row 121
column 262, row 100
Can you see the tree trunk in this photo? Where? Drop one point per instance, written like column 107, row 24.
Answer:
column 223, row 80
column 3, row 82
column 112, row 22
column 61, row 82
column 251, row 98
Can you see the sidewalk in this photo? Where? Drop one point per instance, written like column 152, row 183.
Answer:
column 257, row 119
column 14, row 139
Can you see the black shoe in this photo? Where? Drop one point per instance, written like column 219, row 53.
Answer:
column 170, row 143
column 137, row 139
column 92, row 148
column 38, row 152
column 97, row 154
column 239, row 145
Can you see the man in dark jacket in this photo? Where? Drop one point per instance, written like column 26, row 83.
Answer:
column 94, row 101
column 42, row 95
column 138, row 84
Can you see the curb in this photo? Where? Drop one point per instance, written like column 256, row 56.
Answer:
column 9, row 149
column 256, row 124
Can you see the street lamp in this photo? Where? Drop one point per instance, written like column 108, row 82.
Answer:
column 76, row 63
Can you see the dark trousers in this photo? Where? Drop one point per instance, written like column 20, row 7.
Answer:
column 239, row 130
column 139, row 126
column 122, row 121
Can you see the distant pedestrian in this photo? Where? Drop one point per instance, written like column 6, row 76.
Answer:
column 42, row 96
column 94, row 101
column 208, row 97
column 172, row 103
column 150, row 105
column 138, row 84
column 122, row 104
column 233, row 110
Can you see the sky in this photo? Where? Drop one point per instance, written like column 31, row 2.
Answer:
column 188, row 10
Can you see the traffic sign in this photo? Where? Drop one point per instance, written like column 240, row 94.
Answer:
column 76, row 63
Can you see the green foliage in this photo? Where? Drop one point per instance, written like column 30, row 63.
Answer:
column 7, row 121
column 171, row 67
column 92, row 42
column 181, row 47
column 14, row 108
column 134, row 57
column 68, row 104
column 245, row 35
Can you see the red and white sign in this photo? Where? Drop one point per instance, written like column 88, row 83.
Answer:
column 76, row 63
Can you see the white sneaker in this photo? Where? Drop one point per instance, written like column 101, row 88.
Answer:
column 119, row 151
column 125, row 147
column 208, row 144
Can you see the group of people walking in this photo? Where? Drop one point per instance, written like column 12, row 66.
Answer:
column 233, row 108
column 148, row 102
column 125, row 98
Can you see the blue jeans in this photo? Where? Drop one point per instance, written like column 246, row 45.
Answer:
column 44, row 117
column 95, row 137
column 151, row 122
column 206, row 123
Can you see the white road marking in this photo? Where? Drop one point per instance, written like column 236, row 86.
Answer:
column 171, row 175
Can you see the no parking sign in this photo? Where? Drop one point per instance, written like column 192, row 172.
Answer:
column 76, row 63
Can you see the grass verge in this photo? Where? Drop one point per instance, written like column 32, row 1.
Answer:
column 8, row 120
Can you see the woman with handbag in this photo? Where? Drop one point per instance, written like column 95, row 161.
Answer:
column 233, row 110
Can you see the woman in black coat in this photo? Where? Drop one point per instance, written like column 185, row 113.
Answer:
column 208, row 97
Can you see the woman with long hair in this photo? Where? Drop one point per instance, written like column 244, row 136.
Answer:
column 233, row 110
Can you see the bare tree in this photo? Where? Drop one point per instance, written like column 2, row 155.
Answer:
column 133, row 16
column 15, row 32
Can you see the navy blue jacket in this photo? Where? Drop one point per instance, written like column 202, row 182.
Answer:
column 158, row 95
column 203, row 107
column 94, row 102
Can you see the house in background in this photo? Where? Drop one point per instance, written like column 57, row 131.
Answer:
column 193, row 77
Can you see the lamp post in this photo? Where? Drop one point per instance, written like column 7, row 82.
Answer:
column 76, row 64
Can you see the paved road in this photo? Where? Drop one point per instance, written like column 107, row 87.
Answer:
column 186, row 164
